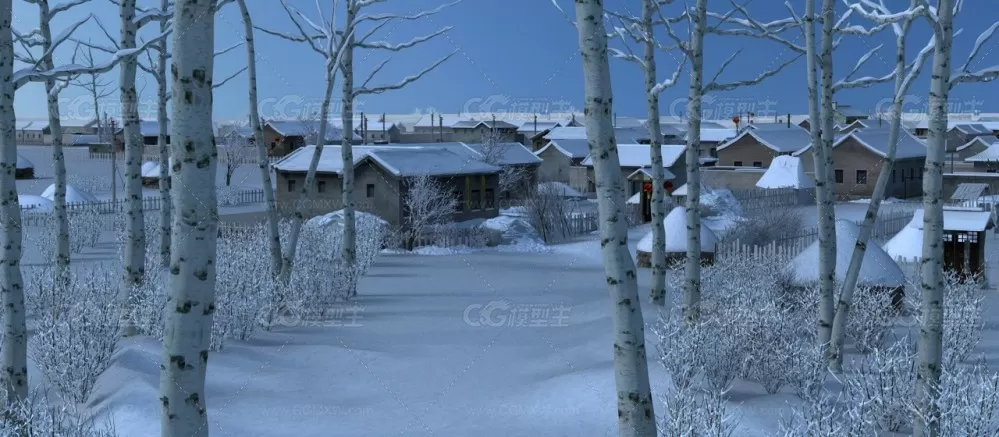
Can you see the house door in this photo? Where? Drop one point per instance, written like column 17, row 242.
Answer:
column 646, row 206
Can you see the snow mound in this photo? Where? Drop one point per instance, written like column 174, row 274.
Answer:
column 73, row 195
column 513, row 229
column 676, row 234
column 362, row 220
column 785, row 172
column 34, row 203
column 150, row 169
column 907, row 245
column 560, row 189
column 877, row 269
column 636, row 199
column 23, row 163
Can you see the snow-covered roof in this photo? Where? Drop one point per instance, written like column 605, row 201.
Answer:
column 434, row 120
column 647, row 171
column 86, row 139
column 151, row 169
column 979, row 140
column 621, row 135
column 779, row 140
column 73, row 194
column 637, row 155
column 35, row 203
column 628, row 122
column 676, row 234
column 785, row 172
column 635, row 199
column 682, row 191
column 907, row 245
column 972, row 128
column 990, row 154
column 959, row 219
column 474, row 124
column 876, row 140
column 30, row 125
column 968, row 191
column 877, row 268
column 774, row 126
column 23, row 163
column 850, row 111
column 299, row 128
column 509, row 153
column 530, row 127
column 716, row 135
column 579, row 148
column 402, row 161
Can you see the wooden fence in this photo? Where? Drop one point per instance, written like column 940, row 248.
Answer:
column 771, row 252
column 885, row 227
column 759, row 198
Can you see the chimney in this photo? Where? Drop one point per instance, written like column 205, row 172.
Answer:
column 432, row 124
column 364, row 136
column 535, row 124
column 440, row 125
column 788, row 120
column 384, row 137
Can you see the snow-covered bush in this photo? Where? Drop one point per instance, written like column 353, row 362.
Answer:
column 148, row 301
column 227, row 195
column 765, row 226
column 870, row 321
column 679, row 349
column 823, row 414
column 77, row 329
column 243, row 281
column 39, row 416
column 883, row 383
column 548, row 213
column 962, row 318
column 969, row 401
column 450, row 236
column 85, row 229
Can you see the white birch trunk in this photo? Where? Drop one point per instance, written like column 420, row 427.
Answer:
column 927, row 419
column 273, row 232
column 62, row 256
column 692, row 288
column 657, row 293
column 195, row 224
column 135, row 233
column 867, row 226
column 162, row 119
column 827, row 211
column 346, row 150
column 634, row 398
column 14, row 349
column 288, row 259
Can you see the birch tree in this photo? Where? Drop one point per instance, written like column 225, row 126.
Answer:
column 635, row 412
column 263, row 163
column 42, row 39
column 693, row 49
column 157, row 69
column 904, row 75
column 13, row 359
column 642, row 31
column 356, row 17
column 188, row 325
column 818, row 57
column 943, row 79
column 428, row 202
column 325, row 39
column 94, row 86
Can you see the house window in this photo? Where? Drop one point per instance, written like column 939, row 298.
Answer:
column 291, row 185
column 321, row 186
column 490, row 199
column 912, row 173
column 475, row 201
column 862, row 177
column 459, row 204
column 839, row 176
column 758, row 164
column 369, row 190
column 738, row 163
column 893, row 175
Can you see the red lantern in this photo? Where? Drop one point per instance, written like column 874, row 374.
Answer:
column 668, row 185
column 736, row 119
column 647, row 186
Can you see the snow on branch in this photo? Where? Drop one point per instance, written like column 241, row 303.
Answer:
column 384, row 45
column 32, row 74
column 715, row 86
column 321, row 41
column 363, row 89
column 359, row 5
column 983, row 75
column 863, row 81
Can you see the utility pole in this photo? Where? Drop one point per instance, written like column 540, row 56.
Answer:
column 440, row 125
column 114, row 160
column 364, row 135
column 384, row 137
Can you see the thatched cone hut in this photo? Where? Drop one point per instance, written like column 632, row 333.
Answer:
column 25, row 169
column 676, row 240
column 878, row 271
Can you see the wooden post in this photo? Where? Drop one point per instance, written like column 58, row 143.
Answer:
column 468, row 193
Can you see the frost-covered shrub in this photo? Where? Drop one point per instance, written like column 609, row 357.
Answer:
column 883, row 383
column 77, row 331
column 871, row 319
column 243, row 278
column 969, row 401
column 85, row 229
column 766, row 225
column 39, row 416
column 548, row 211
column 679, row 349
column 148, row 301
column 963, row 320
column 450, row 235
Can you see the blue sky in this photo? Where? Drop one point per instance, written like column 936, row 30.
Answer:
column 510, row 55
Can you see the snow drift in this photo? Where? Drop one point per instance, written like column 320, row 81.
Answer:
column 73, row 195
column 877, row 269
column 676, row 234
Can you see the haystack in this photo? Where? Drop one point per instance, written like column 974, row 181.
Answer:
column 676, row 240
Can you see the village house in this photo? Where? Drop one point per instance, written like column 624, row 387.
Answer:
column 758, row 147
column 30, row 132
column 845, row 129
column 984, row 154
column 285, row 136
column 381, row 132
column 476, row 131
column 634, row 157
column 150, row 131
column 380, row 180
column 858, row 157
column 961, row 144
column 530, row 130
column 562, row 162
column 511, row 157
